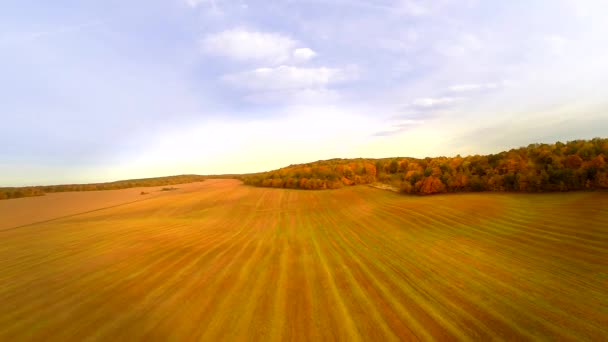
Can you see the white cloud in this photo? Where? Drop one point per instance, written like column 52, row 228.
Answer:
column 289, row 77
column 318, row 96
column 394, row 7
column 429, row 102
column 248, row 45
column 465, row 87
column 303, row 54
column 193, row 3
column 398, row 127
column 244, row 45
column 210, row 6
column 196, row 3
column 412, row 8
column 457, row 88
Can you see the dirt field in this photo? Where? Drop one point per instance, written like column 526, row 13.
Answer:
column 28, row 210
column 230, row 262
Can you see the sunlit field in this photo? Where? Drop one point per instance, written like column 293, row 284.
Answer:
column 227, row 261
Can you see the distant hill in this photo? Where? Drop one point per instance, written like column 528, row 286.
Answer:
column 29, row 191
column 575, row 165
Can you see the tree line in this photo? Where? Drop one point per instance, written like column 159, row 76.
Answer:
column 574, row 165
column 29, row 191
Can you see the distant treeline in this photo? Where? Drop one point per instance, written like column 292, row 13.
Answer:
column 16, row 192
column 575, row 165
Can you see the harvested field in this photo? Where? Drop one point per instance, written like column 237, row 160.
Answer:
column 28, row 210
column 225, row 261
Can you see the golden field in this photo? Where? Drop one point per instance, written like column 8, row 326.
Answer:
column 29, row 210
column 225, row 261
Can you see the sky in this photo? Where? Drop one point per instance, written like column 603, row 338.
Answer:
column 102, row 90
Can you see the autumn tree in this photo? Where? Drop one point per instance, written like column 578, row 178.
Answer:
column 432, row 185
column 574, row 165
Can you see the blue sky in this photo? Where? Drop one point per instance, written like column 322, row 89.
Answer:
column 104, row 90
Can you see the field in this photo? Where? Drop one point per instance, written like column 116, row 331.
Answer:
column 27, row 210
column 226, row 261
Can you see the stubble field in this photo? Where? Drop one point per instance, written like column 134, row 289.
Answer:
column 229, row 262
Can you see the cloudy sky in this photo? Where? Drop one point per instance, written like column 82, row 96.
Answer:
column 113, row 89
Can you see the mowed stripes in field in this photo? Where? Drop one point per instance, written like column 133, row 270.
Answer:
column 232, row 262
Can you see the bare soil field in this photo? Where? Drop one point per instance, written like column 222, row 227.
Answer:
column 28, row 210
column 225, row 261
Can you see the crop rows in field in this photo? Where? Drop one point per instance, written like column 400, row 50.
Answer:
column 232, row 262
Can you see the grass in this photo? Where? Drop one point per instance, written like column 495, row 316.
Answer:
column 230, row 262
